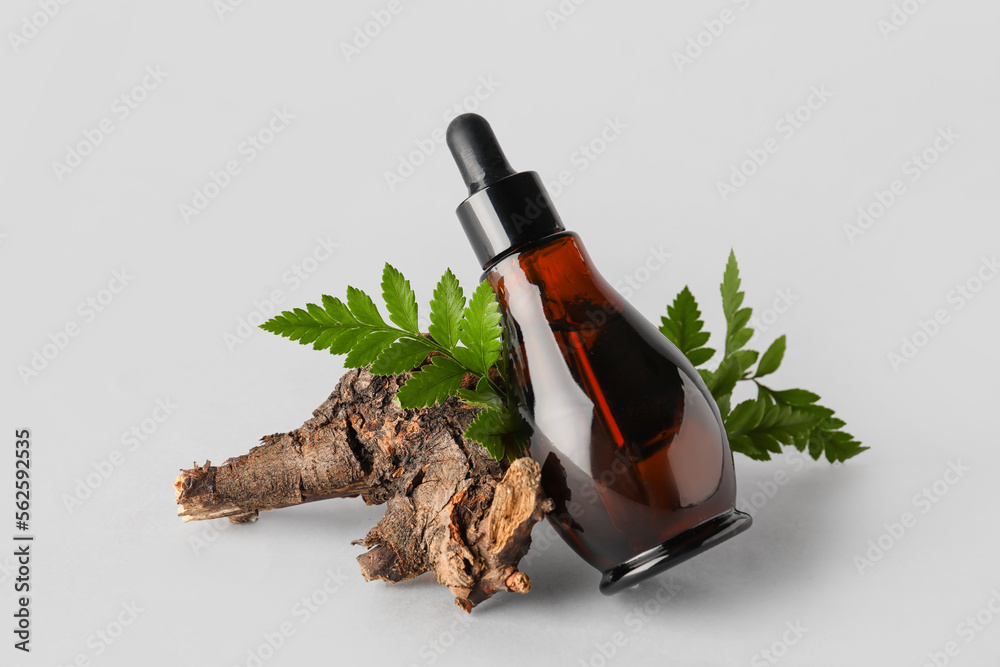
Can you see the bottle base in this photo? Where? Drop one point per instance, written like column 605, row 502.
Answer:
column 674, row 551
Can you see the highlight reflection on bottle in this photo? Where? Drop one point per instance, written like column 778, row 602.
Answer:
column 631, row 443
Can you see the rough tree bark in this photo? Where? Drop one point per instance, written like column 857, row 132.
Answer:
column 451, row 509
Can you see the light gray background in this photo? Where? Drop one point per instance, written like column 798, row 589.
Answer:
column 209, row 593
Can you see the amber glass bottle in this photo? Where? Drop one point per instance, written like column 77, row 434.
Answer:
column 632, row 447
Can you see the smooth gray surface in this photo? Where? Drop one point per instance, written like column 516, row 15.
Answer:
column 654, row 190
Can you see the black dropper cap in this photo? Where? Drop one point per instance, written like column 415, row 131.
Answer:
column 505, row 209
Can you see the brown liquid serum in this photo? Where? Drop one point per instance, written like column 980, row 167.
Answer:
column 632, row 446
